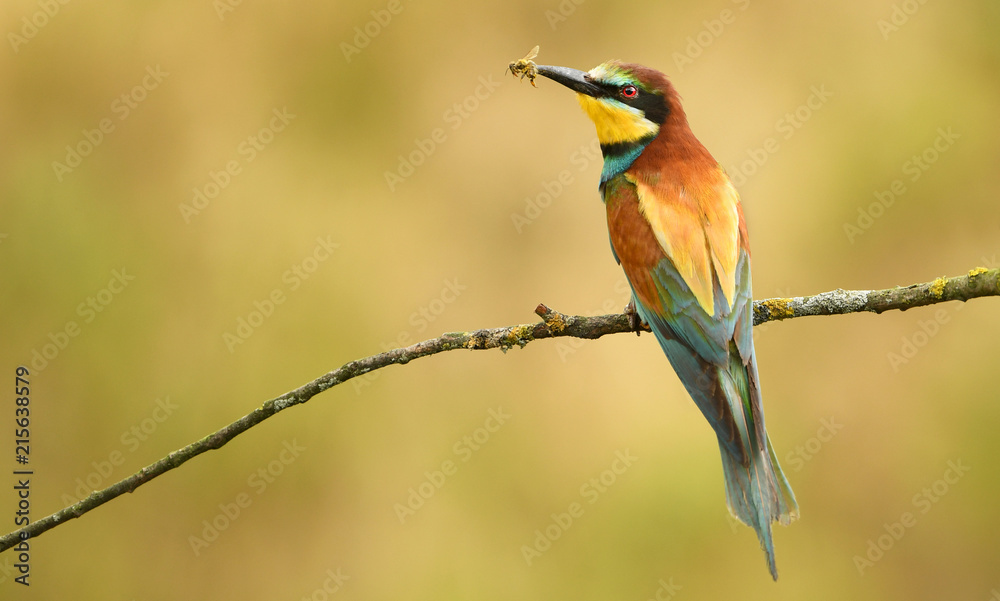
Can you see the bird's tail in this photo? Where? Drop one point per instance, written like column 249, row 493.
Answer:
column 758, row 493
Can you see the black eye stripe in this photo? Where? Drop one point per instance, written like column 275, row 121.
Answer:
column 653, row 104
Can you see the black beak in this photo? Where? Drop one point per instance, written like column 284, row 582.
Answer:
column 576, row 80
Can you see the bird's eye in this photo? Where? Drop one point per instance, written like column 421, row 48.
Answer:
column 630, row 91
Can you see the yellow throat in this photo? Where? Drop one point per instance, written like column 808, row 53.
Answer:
column 616, row 122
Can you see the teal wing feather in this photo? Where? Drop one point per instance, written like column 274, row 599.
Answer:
column 709, row 344
column 698, row 346
column 714, row 358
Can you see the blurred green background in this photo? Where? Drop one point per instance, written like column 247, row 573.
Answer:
column 814, row 108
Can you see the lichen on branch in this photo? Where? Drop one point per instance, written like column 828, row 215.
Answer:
column 977, row 283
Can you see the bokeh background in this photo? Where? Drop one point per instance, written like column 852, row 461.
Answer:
column 865, row 411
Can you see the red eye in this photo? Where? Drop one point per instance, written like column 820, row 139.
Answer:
column 630, row 92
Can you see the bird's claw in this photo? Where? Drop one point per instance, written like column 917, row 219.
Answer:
column 634, row 321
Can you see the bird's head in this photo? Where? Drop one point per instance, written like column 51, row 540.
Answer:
column 629, row 104
column 626, row 102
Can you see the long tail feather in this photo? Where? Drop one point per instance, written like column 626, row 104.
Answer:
column 758, row 494
column 718, row 368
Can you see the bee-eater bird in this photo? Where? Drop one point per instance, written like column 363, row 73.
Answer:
column 678, row 232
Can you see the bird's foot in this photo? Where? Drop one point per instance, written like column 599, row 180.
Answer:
column 634, row 321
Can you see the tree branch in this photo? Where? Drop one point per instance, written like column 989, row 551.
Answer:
column 979, row 282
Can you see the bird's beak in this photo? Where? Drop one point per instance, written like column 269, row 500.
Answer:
column 578, row 81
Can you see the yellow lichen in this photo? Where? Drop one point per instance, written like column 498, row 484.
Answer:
column 937, row 287
column 556, row 323
column 977, row 271
column 778, row 308
column 519, row 335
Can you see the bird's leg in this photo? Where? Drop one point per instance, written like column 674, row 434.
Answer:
column 634, row 321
